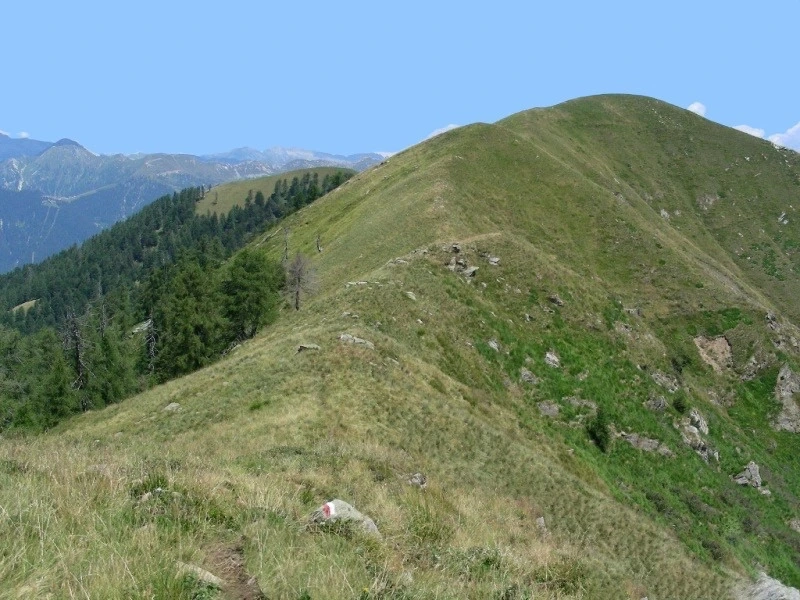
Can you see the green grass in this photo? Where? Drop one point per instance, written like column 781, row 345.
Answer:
column 569, row 200
column 221, row 198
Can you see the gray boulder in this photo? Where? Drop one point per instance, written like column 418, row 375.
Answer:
column 419, row 480
column 339, row 511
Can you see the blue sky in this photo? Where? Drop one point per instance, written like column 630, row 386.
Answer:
column 376, row 76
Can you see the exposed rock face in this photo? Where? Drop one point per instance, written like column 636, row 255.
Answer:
column 754, row 366
column 646, row 444
column 668, row 382
column 767, row 588
column 787, row 389
column 656, row 403
column 172, row 407
column 785, row 334
column 696, row 419
column 548, row 409
column 750, row 476
column 526, row 376
column 715, row 352
column 337, row 511
column 552, row 359
column 694, row 439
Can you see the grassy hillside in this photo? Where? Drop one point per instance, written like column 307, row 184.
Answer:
column 609, row 233
column 221, row 198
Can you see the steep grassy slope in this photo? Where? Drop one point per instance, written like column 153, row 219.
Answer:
column 561, row 211
column 225, row 196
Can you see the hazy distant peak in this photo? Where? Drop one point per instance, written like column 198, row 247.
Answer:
column 67, row 142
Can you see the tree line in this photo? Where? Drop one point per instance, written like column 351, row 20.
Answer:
column 154, row 297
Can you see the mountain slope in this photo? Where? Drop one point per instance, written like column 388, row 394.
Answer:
column 81, row 193
column 609, row 235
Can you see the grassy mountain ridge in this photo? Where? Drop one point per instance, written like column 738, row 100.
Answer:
column 561, row 211
column 222, row 197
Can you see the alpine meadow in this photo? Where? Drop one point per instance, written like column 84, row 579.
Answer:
column 552, row 357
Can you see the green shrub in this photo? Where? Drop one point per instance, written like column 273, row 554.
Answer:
column 599, row 431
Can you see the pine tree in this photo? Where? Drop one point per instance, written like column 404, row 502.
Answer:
column 251, row 290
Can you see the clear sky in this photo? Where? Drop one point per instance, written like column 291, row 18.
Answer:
column 352, row 76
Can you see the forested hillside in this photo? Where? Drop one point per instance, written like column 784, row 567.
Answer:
column 151, row 298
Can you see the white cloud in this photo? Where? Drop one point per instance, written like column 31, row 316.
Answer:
column 698, row 108
column 23, row 134
column 789, row 139
column 3, row 132
column 441, row 130
column 754, row 131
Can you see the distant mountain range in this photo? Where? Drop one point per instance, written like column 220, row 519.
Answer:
column 55, row 194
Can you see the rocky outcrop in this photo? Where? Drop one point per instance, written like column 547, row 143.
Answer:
column 668, row 382
column 551, row 359
column 646, row 444
column 656, row 403
column 527, row 376
column 787, row 388
column 767, row 588
column 459, row 264
column 548, row 409
column 755, row 364
column 696, row 419
column 750, row 476
column 786, row 335
column 693, row 437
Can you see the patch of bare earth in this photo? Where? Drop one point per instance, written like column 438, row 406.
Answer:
column 716, row 352
column 227, row 562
